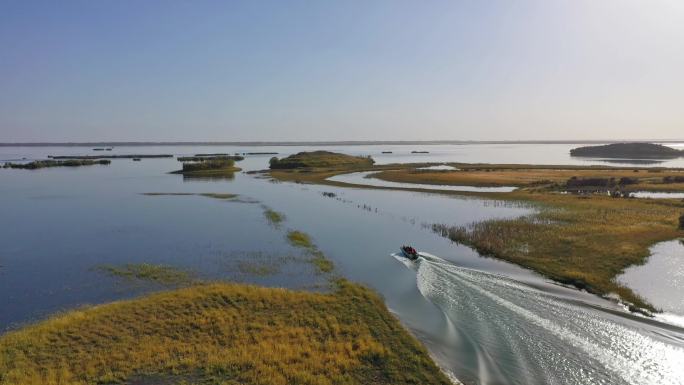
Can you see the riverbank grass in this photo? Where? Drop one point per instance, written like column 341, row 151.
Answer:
column 222, row 334
column 583, row 241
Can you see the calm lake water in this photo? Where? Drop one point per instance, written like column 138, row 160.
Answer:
column 485, row 321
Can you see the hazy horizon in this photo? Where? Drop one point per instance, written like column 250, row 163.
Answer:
column 82, row 71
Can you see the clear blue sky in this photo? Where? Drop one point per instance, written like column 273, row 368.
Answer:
column 340, row 70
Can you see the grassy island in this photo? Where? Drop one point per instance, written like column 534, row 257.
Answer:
column 585, row 239
column 320, row 159
column 628, row 150
column 209, row 167
column 222, row 334
column 56, row 163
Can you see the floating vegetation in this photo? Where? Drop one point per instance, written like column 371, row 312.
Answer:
column 299, row 239
column 161, row 274
column 303, row 240
column 56, row 163
column 251, row 264
column 321, row 262
column 258, row 268
column 222, row 333
column 274, row 218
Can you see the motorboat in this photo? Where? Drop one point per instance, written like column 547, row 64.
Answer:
column 409, row 252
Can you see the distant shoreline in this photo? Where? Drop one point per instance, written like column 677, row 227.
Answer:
column 326, row 143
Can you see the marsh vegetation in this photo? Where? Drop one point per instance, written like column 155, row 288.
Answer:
column 222, row 333
column 161, row 274
column 318, row 259
column 583, row 241
column 273, row 217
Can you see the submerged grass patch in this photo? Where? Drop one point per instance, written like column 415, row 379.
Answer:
column 258, row 268
column 273, row 217
column 299, row 239
column 161, row 274
column 222, row 333
column 318, row 259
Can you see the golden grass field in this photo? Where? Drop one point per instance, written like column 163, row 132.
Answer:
column 499, row 175
column 222, row 334
column 584, row 240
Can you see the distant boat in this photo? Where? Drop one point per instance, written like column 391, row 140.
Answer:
column 136, row 159
column 387, row 152
column 409, row 252
column 420, row 152
column 98, row 149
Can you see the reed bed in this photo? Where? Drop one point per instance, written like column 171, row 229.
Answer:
column 583, row 241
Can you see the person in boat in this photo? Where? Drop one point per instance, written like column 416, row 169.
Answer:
column 410, row 252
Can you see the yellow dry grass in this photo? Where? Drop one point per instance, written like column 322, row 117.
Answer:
column 222, row 334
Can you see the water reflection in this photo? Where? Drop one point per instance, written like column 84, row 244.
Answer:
column 661, row 278
column 226, row 176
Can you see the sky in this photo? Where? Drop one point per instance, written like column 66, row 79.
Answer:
column 130, row 70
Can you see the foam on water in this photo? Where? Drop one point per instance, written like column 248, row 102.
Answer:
column 553, row 340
